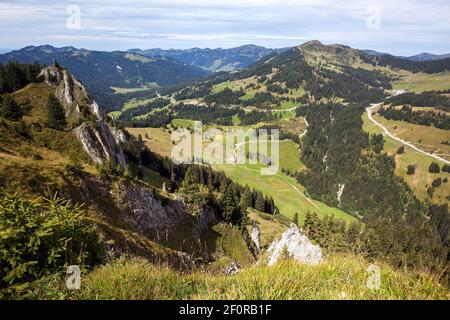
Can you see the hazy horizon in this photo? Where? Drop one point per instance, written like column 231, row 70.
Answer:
column 7, row 50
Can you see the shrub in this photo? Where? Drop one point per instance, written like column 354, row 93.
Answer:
column 446, row 168
column 411, row 170
column 436, row 183
column 22, row 129
column 401, row 150
column 110, row 170
column 434, row 168
column 75, row 166
column 40, row 238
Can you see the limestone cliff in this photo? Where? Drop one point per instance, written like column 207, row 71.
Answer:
column 100, row 140
column 296, row 245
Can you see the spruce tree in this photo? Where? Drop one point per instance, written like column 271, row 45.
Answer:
column 56, row 118
column 9, row 108
column 246, row 199
column 260, row 202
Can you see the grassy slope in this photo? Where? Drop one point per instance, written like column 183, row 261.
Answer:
column 426, row 137
column 133, row 103
column 281, row 188
column 339, row 277
column 419, row 82
column 421, row 180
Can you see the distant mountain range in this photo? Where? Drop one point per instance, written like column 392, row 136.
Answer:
column 214, row 59
column 100, row 70
column 418, row 57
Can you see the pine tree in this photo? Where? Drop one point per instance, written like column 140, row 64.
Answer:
column 246, row 199
column 260, row 202
column 229, row 202
column 56, row 118
column 9, row 108
column 308, row 224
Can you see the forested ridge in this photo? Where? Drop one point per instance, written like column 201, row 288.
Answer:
column 339, row 153
column 425, row 99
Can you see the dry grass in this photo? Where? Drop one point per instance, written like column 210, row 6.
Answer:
column 339, row 277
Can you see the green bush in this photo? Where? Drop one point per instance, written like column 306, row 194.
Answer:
column 110, row 170
column 411, row 170
column 41, row 237
column 434, row 168
column 75, row 166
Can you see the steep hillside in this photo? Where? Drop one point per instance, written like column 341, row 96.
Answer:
column 213, row 59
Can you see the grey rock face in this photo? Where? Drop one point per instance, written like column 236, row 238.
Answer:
column 142, row 209
column 68, row 91
column 99, row 140
column 99, row 143
column 232, row 269
column 255, row 236
column 296, row 245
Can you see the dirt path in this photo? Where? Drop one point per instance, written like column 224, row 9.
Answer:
column 409, row 144
column 304, row 196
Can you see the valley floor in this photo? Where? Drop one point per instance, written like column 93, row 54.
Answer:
column 289, row 196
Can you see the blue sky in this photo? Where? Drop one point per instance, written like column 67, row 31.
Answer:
column 402, row 27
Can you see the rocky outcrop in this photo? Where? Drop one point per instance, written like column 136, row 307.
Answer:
column 232, row 269
column 160, row 218
column 255, row 236
column 296, row 245
column 68, row 87
column 99, row 143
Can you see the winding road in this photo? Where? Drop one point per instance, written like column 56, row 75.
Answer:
column 238, row 145
column 390, row 135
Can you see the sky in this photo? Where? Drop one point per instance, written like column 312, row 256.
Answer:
column 400, row 27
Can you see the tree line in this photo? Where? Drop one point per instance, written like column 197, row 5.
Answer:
column 425, row 118
column 14, row 76
column 425, row 99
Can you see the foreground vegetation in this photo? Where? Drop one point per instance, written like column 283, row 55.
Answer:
column 339, row 277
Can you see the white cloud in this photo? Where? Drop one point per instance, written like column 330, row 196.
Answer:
column 406, row 25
